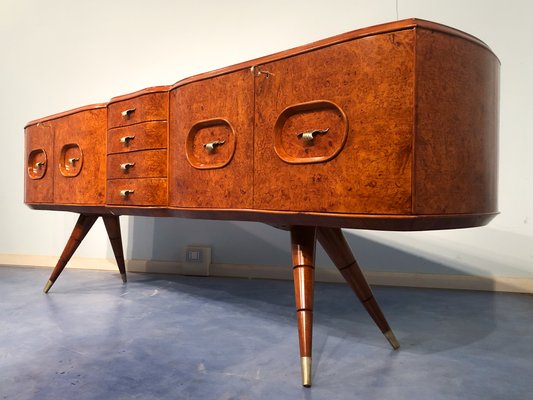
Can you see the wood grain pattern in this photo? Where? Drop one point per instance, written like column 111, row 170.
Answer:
column 395, row 26
column 82, row 227
column 392, row 127
column 148, row 135
column 86, row 129
column 146, row 164
column 146, row 107
column 372, row 174
column 112, row 226
column 230, row 98
column 147, row 192
column 416, row 115
column 39, row 148
column 335, row 245
column 303, row 240
column 456, row 163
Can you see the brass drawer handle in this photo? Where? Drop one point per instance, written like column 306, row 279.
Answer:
column 210, row 147
column 309, row 136
column 125, row 193
column 38, row 165
column 127, row 166
column 126, row 139
column 73, row 160
column 126, row 113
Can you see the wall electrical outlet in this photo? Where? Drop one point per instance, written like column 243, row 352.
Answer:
column 197, row 261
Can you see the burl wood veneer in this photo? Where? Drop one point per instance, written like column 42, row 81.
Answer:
column 391, row 127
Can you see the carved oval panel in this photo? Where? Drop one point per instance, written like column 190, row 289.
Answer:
column 210, row 144
column 310, row 132
column 37, row 164
column 70, row 160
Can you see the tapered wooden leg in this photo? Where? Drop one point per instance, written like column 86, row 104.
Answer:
column 333, row 241
column 112, row 225
column 83, row 225
column 303, row 240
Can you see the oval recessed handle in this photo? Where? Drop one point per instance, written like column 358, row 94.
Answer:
column 126, row 192
column 127, row 166
column 128, row 112
column 309, row 136
column 210, row 147
column 73, row 160
column 126, row 139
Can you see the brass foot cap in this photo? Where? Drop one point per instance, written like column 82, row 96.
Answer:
column 124, row 278
column 48, row 286
column 392, row 340
column 305, row 363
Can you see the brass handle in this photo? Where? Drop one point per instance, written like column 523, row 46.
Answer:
column 73, row 160
column 38, row 165
column 309, row 136
column 126, row 113
column 127, row 166
column 125, row 193
column 126, row 139
column 210, row 147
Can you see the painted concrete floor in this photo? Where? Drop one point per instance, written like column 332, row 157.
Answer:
column 172, row 337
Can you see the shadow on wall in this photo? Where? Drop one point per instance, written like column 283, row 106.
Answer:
column 338, row 312
column 250, row 243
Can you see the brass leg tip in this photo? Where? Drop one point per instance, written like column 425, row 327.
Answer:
column 392, row 340
column 305, row 363
column 47, row 286
column 124, row 278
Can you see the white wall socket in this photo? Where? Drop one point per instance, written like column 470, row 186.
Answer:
column 197, row 260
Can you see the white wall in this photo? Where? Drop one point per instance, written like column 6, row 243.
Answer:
column 61, row 54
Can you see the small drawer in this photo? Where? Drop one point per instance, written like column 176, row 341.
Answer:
column 148, row 135
column 139, row 164
column 144, row 108
column 137, row 192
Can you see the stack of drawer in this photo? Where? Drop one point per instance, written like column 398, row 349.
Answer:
column 137, row 149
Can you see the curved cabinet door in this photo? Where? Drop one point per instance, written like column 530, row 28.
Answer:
column 39, row 163
column 211, row 142
column 334, row 128
column 80, row 152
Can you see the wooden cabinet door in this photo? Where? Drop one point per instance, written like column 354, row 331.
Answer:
column 211, row 142
column 334, row 128
column 80, row 157
column 39, row 164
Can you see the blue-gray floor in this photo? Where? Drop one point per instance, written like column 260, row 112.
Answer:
column 169, row 337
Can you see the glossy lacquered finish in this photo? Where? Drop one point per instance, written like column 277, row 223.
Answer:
column 218, row 110
column 303, row 244
column 393, row 127
column 381, row 128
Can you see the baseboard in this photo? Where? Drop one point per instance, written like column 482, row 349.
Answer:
column 405, row 279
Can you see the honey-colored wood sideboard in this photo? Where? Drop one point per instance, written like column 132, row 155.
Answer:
column 391, row 127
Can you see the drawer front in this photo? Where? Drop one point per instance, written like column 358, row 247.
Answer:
column 137, row 192
column 39, row 164
column 148, row 135
column 79, row 150
column 338, row 138
column 139, row 164
column 211, row 142
column 147, row 107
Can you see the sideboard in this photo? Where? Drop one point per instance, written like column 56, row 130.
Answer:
column 390, row 127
